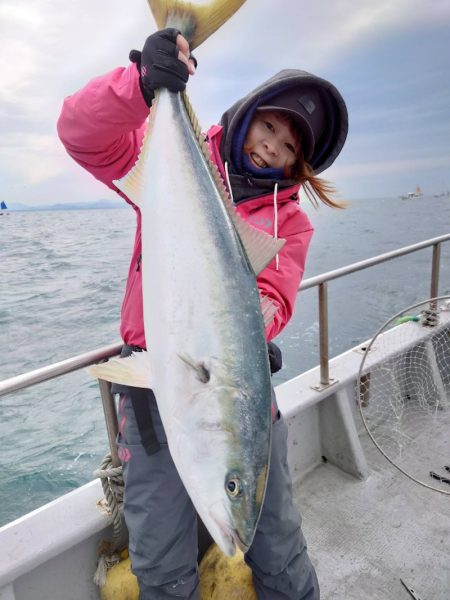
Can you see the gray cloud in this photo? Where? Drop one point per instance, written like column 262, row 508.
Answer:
column 50, row 51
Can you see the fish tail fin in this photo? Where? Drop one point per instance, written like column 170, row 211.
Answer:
column 195, row 21
column 134, row 370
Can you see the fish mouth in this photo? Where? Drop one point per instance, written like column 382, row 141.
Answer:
column 258, row 161
column 230, row 537
column 241, row 545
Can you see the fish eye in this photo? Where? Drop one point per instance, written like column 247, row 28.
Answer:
column 233, row 487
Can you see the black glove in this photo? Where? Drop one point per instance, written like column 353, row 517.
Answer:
column 275, row 357
column 159, row 65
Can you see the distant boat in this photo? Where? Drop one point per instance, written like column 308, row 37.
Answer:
column 3, row 207
column 417, row 194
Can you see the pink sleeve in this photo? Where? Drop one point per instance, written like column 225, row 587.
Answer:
column 281, row 285
column 102, row 125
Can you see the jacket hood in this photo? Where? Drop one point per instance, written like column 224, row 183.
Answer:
column 326, row 148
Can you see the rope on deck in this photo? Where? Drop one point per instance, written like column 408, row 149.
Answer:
column 429, row 318
column 112, row 483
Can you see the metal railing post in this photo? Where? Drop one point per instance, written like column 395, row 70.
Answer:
column 323, row 334
column 112, row 425
column 434, row 290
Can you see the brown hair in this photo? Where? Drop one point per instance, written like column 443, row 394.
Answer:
column 315, row 188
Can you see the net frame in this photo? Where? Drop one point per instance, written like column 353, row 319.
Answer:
column 364, row 371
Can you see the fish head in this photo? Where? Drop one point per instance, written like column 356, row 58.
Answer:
column 232, row 519
column 244, row 492
column 230, row 450
column 245, row 479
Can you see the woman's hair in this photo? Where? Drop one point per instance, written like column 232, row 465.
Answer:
column 316, row 189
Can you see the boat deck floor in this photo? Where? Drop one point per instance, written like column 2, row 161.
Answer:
column 363, row 536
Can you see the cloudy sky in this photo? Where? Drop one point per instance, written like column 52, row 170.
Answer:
column 389, row 58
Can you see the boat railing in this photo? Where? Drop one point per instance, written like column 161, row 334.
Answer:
column 321, row 282
column 75, row 363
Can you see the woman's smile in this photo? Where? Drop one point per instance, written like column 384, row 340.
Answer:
column 258, row 161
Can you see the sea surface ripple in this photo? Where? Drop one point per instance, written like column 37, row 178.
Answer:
column 63, row 275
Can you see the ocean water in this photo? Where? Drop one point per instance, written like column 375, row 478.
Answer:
column 62, row 277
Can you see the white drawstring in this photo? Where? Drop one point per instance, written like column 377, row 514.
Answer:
column 228, row 181
column 275, row 220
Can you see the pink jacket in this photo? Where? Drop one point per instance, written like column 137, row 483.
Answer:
column 102, row 126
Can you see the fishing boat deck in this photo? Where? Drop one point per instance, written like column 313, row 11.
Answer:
column 363, row 536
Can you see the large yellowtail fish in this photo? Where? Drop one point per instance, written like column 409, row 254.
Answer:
column 207, row 357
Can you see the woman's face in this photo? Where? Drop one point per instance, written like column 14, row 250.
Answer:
column 270, row 142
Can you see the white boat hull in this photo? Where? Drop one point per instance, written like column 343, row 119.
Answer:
column 366, row 524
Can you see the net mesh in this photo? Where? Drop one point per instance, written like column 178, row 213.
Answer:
column 404, row 392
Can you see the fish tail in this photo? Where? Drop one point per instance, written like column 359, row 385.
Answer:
column 195, row 21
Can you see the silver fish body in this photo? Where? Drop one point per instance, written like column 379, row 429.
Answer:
column 204, row 331
column 206, row 356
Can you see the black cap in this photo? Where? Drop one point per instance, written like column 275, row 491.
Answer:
column 307, row 108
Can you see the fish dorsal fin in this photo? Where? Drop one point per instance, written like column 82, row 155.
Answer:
column 195, row 21
column 259, row 246
column 132, row 184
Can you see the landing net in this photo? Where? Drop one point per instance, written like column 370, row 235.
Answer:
column 404, row 392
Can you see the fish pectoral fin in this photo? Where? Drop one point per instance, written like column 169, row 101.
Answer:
column 201, row 370
column 133, row 370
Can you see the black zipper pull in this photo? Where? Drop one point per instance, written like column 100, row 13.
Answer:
column 139, row 258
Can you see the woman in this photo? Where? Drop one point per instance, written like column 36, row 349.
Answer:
column 269, row 145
